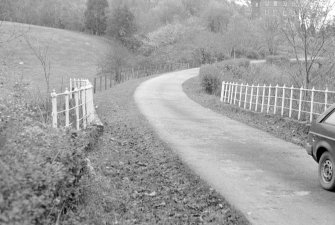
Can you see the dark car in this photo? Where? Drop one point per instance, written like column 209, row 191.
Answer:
column 321, row 146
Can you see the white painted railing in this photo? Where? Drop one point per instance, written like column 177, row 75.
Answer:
column 74, row 107
column 298, row 103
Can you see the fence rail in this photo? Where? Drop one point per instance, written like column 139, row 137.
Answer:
column 298, row 103
column 106, row 80
column 74, row 107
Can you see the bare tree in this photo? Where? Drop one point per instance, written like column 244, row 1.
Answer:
column 241, row 34
column 114, row 61
column 305, row 29
column 42, row 54
column 10, row 33
column 270, row 32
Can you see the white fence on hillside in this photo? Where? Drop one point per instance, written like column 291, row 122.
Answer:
column 298, row 103
column 74, row 107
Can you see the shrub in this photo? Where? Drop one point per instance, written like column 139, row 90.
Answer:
column 252, row 54
column 211, row 79
column 41, row 170
column 40, row 177
column 267, row 74
column 277, row 59
column 227, row 65
column 234, row 69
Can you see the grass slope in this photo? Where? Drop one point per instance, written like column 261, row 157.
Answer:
column 139, row 179
column 72, row 54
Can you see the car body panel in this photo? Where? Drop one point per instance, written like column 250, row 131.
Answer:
column 321, row 136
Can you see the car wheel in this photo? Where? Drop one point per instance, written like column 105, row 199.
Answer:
column 326, row 171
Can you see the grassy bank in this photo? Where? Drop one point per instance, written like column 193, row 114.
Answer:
column 139, row 179
column 284, row 128
column 71, row 55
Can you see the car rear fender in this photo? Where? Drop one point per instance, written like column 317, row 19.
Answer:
column 320, row 148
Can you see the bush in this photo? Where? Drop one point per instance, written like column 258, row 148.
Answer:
column 41, row 170
column 267, row 74
column 227, row 65
column 234, row 69
column 252, row 54
column 211, row 79
column 277, row 60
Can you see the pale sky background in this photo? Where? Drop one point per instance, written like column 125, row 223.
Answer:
column 331, row 15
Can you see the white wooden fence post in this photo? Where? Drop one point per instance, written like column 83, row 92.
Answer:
column 276, row 95
column 222, row 91
column 251, row 96
column 283, row 100
column 236, row 85
column 291, row 100
column 269, row 100
column 326, row 98
column 232, row 93
column 229, row 90
column 67, row 111
column 240, row 100
column 70, row 87
column 76, row 99
column 225, row 90
column 83, row 102
column 54, row 109
column 263, row 98
column 312, row 105
column 257, row 96
column 300, row 102
column 90, row 104
column 246, row 95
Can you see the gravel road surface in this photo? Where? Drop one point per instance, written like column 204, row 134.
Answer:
column 271, row 181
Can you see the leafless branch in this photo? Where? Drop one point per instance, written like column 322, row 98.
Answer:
column 42, row 54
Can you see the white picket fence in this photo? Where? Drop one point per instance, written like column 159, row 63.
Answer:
column 74, row 107
column 298, row 103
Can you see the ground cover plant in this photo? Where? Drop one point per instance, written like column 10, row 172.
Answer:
column 285, row 128
column 43, row 171
column 139, row 179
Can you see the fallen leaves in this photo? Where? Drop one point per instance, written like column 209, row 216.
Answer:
column 145, row 175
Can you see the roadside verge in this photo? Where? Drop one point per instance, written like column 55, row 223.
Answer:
column 140, row 180
column 285, row 128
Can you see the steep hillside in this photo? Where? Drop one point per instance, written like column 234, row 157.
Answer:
column 71, row 54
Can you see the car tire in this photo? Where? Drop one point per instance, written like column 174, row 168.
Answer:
column 326, row 171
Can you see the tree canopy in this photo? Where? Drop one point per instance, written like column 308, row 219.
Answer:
column 95, row 16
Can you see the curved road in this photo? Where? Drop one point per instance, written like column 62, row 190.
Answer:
column 271, row 181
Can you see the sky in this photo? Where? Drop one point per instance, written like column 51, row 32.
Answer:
column 330, row 16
